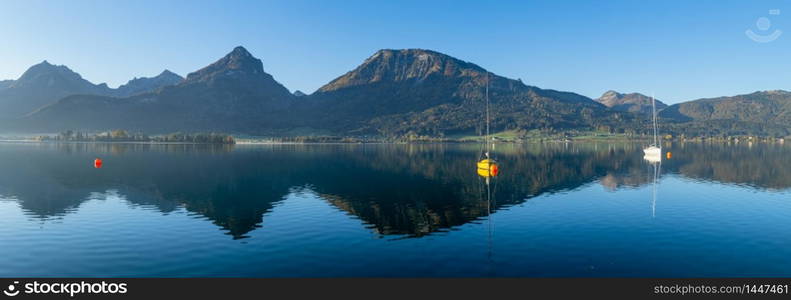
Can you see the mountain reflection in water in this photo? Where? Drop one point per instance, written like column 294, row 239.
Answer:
column 403, row 190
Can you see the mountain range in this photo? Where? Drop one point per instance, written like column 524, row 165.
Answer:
column 632, row 102
column 233, row 94
column 426, row 93
column 44, row 83
column 393, row 93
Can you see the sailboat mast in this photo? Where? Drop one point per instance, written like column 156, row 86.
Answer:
column 653, row 110
column 487, row 110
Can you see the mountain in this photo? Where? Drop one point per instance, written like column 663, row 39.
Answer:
column 144, row 85
column 42, row 84
column 233, row 94
column 758, row 113
column 632, row 102
column 393, row 93
column 5, row 83
column 299, row 93
column 423, row 92
column 763, row 106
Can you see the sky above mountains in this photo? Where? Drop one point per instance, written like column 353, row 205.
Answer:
column 677, row 50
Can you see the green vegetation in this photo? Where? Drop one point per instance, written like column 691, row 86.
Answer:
column 119, row 135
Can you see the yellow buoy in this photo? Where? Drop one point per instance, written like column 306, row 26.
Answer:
column 488, row 168
column 669, row 155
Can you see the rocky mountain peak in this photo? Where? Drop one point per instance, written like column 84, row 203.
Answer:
column 239, row 63
column 631, row 102
column 44, row 68
column 389, row 65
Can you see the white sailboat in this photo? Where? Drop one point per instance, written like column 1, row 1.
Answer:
column 654, row 151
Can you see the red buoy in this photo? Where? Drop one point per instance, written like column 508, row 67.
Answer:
column 97, row 163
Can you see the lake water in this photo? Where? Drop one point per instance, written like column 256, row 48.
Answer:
column 577, row 209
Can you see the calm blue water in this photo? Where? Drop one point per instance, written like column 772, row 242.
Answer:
column 393, row 210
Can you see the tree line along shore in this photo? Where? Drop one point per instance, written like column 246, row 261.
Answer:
column 120, row 135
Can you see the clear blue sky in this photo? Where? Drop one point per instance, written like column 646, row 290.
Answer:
column 679, row 50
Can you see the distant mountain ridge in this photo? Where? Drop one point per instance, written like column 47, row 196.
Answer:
column 758, row 113
column 414, row 93
column 44, row 83
column 762, row 106
column 631, row 102
column 232, row 94
column 142, row 85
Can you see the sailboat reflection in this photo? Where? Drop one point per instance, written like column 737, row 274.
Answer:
column 488, row 184
column 488, row 169
column 656, row 163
